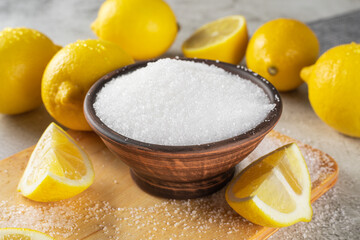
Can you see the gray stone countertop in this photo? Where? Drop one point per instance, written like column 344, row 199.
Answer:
column 336, row 214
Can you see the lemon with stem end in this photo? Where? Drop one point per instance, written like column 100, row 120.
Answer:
column 279, row 49
column 224, row 39
column 334, row 88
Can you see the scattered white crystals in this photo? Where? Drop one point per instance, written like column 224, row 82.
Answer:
column 175, row 102
column 202, row 218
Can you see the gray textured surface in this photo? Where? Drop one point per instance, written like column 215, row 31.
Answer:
column 337, row 30
column 337, row 214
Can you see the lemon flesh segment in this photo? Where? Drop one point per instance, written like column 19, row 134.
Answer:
column 275, row 190
column 58, row 168
column 214, row 32
column 22, row 234
column 224, row 39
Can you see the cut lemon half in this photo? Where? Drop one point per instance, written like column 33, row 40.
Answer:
column 275, row 190
column 224, row 39
column 22, row 234
column 58, row 168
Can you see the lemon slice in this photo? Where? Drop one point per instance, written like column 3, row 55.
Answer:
column 224, row 39
column 22, row 234
column 58, row 168
column 275, row 190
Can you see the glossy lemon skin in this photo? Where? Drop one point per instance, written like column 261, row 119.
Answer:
column 334, row 88
column 273, row 191
column 144, row 29
column 24, row 54
column 279, row 49
column 71, row 73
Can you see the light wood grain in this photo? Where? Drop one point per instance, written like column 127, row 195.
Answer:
column 115, row 208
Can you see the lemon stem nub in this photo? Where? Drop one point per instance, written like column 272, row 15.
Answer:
column 306, row 72
column 272, row 70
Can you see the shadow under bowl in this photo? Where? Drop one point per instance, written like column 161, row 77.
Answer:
column 183, row 172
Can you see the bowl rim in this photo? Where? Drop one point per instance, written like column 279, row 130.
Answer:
column 260, row 130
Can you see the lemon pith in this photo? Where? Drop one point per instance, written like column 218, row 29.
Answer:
column 224, row 39
column 58, row 168
column 274, row 191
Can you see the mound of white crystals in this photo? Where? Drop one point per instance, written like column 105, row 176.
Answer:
column 174, row 102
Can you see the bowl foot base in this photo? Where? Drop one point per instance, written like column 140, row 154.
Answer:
column 182, row 190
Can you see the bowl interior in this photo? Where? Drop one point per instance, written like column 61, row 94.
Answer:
column 265, row 126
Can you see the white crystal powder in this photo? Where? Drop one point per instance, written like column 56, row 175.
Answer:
column 175, row 102
column 202, row 218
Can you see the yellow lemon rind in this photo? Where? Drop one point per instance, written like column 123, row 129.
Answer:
column 255, row 210
column 241, row 23
column 51, row 187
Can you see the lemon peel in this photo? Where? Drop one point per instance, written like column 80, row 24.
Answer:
column 58, row 168
column 275, row 190
column 224, row 39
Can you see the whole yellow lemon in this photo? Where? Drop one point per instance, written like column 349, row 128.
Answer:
column 71, row 73
column 144, row 29
column 334, row 88
column 279, row 49
column 24, row 54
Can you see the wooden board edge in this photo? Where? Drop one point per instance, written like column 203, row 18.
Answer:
column 265, row 232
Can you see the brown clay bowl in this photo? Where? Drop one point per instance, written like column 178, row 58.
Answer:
column 183, row 172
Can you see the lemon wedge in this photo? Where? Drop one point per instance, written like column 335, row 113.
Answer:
column 58, row 168
column 275, row 190
column 22, row 234
column 224, row 39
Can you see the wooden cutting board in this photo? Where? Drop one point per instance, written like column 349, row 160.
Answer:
column 115, row 208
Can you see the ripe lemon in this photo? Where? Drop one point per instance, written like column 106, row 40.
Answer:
column 224, row 39
column 58, row 168
column 334, row 88
column 22, row 234
column 279, row 49
column 274, row 191
column 71, row 73
column 144, row 29
column 24, row 54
